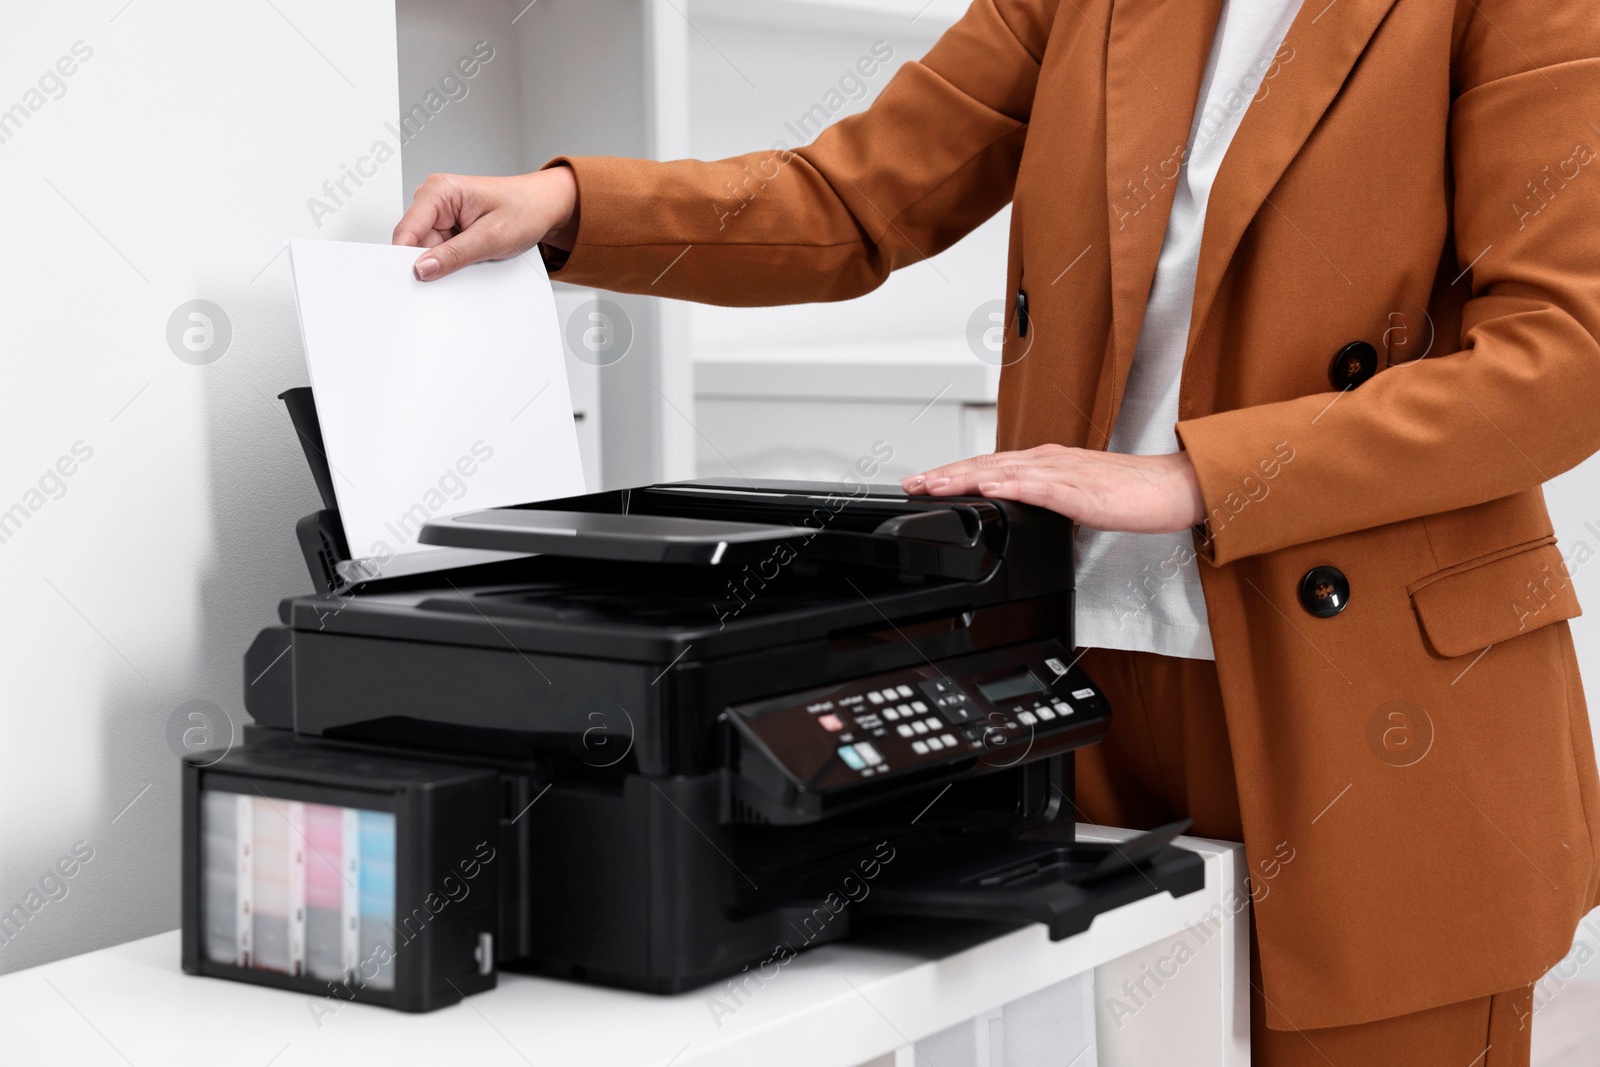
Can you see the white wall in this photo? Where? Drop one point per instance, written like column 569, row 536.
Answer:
column 174, row 166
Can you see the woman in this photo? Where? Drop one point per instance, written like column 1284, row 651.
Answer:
column 1316, row 574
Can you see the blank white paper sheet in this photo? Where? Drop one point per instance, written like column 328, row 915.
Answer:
column 435, row 398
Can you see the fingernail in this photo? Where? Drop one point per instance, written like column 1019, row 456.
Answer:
column 988, row 487
column 427, row 267
column 913, row 483
column 938, row 483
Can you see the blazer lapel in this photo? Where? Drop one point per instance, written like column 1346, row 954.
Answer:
column 1155, row 59
column 1327, row 39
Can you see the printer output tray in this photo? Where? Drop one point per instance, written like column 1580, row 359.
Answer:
column 1063, row 885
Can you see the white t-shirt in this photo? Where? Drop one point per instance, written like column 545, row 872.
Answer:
column 1141, row 592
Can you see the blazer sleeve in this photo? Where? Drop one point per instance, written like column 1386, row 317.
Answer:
column 1519, row 402
column 933, row 157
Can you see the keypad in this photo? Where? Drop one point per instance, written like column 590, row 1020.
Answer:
column 948, row 699
column 941, row 717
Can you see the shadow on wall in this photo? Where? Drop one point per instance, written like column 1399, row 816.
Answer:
column 118, row 877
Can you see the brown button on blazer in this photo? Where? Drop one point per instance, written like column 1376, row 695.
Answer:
column 1416, row 174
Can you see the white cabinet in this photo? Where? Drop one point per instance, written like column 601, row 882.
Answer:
column 589, row 335
column 816, row 413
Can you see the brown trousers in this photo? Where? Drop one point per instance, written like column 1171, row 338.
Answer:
column 1167, row 758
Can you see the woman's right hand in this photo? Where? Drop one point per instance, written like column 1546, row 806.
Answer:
column 462, row 220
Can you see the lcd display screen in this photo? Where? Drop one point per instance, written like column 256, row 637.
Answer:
column 998, row 690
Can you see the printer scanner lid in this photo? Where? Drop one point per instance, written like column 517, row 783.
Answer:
column 718, row 523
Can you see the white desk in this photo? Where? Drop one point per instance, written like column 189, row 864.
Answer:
column 868, row 1000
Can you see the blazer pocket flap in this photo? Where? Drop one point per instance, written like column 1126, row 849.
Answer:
column 1468, row 608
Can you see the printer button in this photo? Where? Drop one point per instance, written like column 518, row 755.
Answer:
column 948, row 700
column 920, row 726
column 949, row 742
column 1045, row 713
column 935, row 743
column 889, row 694
column 865, row 750
column 830, row 723
column 918, row 706
column 905, row 730
column 1026, row 718
column 1063, row 709
column 852, row 758
column 1083, row 694
column 920, row 747
column 903, row 690
column 875, row 697
column 891, row 714
column 959, row 712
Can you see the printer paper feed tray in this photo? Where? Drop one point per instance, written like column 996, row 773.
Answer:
column 1059, row 884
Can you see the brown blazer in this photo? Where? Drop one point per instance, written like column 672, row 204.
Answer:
column 1416, row 174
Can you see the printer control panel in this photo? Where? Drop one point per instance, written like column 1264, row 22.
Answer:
column 998, row 708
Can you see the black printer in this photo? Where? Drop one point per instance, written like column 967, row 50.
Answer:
column 698, row 728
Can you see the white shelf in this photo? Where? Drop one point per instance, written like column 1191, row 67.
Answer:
column 837, row 1006
column 930, row 16
column 925, row 370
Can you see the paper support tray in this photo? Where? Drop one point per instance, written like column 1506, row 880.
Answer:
column 1061, row 885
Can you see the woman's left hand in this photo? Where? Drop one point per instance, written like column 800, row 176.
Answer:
column 1100, row 490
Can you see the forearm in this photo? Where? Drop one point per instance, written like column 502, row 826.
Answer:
column 929, row 161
